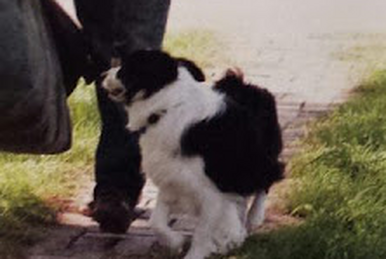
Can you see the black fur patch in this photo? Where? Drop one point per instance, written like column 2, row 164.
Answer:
column 260, row 102
column 241, row 145
column 194, row 70
column 148, row 71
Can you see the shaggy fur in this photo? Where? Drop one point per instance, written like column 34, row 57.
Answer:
column 207, row 148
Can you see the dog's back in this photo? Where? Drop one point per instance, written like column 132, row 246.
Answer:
column 240, row 145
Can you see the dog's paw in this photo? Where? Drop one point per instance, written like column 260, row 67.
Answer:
column 254, row 223
column 229, row 241
column 193, row 256
column 175, row 242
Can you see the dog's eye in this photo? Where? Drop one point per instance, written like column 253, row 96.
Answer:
column 153, row 118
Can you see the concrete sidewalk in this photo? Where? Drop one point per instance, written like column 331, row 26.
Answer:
column 300, row 50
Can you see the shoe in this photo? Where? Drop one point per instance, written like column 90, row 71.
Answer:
column 113, row 214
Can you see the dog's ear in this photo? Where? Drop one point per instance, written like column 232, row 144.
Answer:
column 152, row 67
column 194, row 70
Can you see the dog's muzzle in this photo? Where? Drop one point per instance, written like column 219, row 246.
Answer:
column 113, row 85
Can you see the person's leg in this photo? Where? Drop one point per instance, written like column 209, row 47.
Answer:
column 117, row 169
column 124, row 25
column 139, row 24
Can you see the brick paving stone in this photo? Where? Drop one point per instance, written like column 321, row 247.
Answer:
column 94, row 244
column 57, row 241
column 48, row 257
column 76, row 219
column 135, row 246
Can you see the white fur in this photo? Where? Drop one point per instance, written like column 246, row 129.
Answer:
column 183, row 185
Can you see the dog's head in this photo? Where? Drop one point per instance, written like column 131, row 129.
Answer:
column 144, row 73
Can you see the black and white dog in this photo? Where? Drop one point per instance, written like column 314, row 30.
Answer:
column 207, row 148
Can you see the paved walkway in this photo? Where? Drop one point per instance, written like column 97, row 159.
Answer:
column 310, row 53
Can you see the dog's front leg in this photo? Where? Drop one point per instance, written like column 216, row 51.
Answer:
column 159, row 222
column 210, row 212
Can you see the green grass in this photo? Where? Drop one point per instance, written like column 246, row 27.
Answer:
column 340, row 186
column 365, row 51
column 32, row 187
column 370, row 53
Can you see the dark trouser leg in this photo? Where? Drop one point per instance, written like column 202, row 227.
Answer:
column 138, row 24
column 117, row 169
column 128, row 25
column 117, row 165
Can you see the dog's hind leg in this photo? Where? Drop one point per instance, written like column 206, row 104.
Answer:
column 159, row 222
column 256, row 212
column 230, row 231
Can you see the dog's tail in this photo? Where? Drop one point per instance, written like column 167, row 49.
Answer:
column 262, row 105
column 256, row 99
